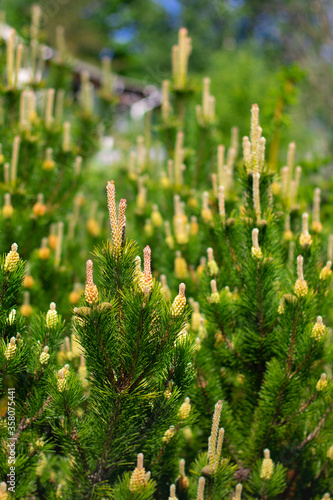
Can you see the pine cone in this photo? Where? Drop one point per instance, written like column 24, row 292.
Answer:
column 53, row 240
column 267, row 467
column 183, row 483
column 52, row 316
column 44, row 357
column 44, row 253
column 185, row 409
column 178, row 305
column 330, row 453
column 325, row 273
column 207, row 471
column 62, row 384
column 104, row 306
column 138, row 480
column 82, row 312
column 322, row 383
column 91, row 294
column 256, row 253
column 3, row 491
column 7, row 211
column 168, row 435
column 288, row 235
column 301, row 288
column 318, row 330
column 317, row 226
column 215, row 298
column 39, row 209
column 26, row 310
column 212, row 267
column 11, row 349
column 12, row 258
column 305, row 240
column 156, row 218
column 207, row 215
column 28, row 281
column 180, row 268
column 48, row 165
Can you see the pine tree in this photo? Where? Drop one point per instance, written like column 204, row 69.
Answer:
column 106, row 413
column 46, row 140
column 265, row 349
column 137, row 370
column 24, row 359
column 161, row 190
column 127, row 395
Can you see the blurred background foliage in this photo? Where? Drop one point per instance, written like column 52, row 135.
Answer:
column 276, row 53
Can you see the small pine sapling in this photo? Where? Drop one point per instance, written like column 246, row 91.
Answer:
column 265, row 347
column 138, row 369
column 26, row 358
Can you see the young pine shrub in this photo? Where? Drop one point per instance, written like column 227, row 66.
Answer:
column 266, row 347
column 26, row 361
column 46, row 139
column 138, row 368
column 215, row 474
column 190, row 165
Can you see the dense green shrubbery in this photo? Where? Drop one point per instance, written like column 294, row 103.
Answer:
column 235, row 232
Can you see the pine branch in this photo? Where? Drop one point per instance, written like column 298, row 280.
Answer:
column 225, row 337
column 321, row 472
column 302, row 363
column 75, row 438
column 101, row 468
column 232, row 254
column 260, row 304
column 23, row 425
column 106, row 357
column 303, row 407
column 136, row 353
column 272, row 423
column 291, row 345
column 33, row 386
column 263, row 495
column 316, row 431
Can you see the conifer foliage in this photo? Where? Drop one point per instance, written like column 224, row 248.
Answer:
column 46, row 140
column 252, row 356
column 264, row 353
column 130, row 337
column 25, row 361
